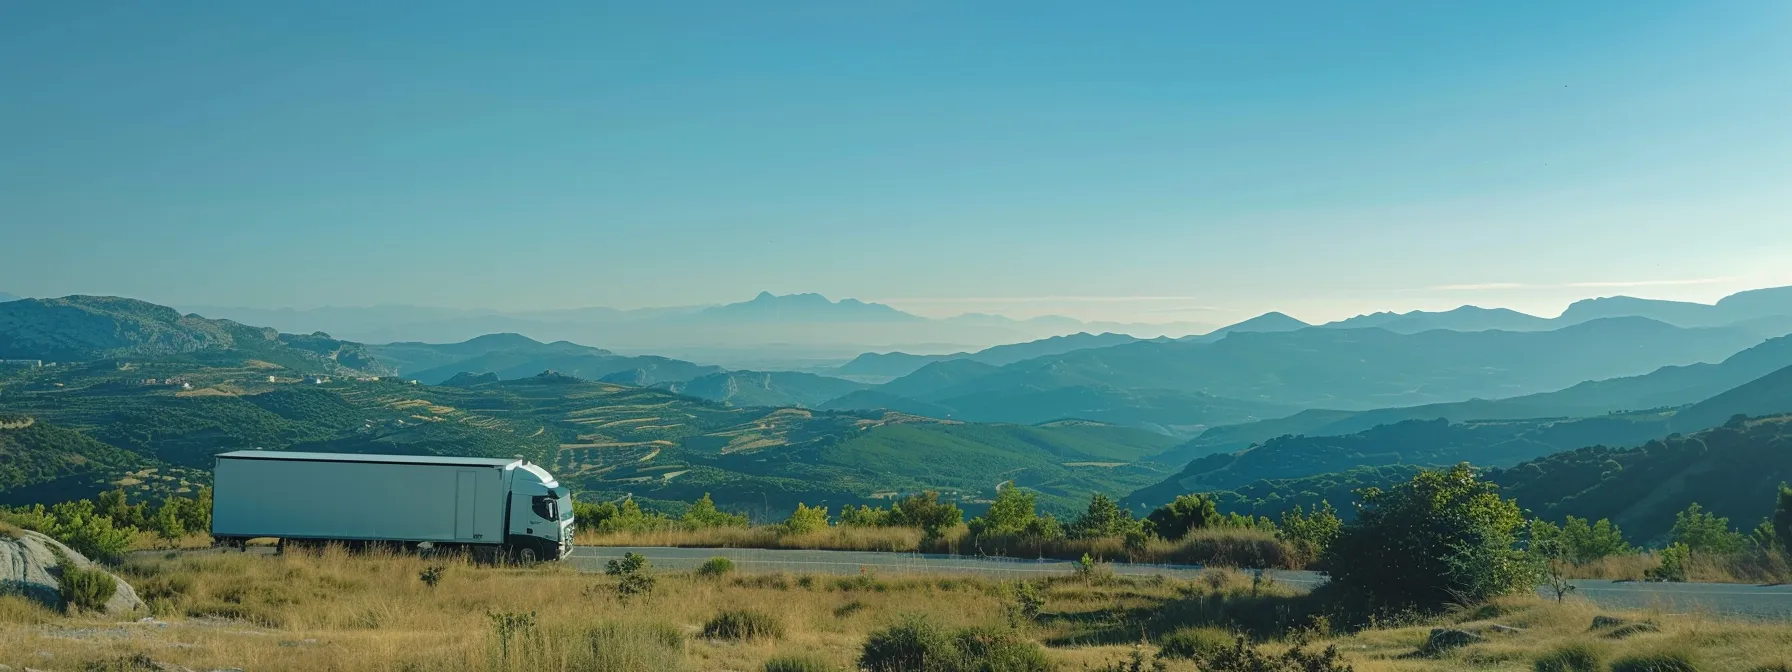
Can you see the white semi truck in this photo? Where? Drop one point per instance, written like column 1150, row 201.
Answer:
column 489, row 507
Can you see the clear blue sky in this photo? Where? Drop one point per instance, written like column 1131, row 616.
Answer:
column 1153, row 161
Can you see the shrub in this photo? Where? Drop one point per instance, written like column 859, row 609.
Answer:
column 432, row 575
column 914, row 645
column 1195, row 644
column 805, row 520
column 1572, row 657
column 1673, row 563
column 1243, row 657
column 1105, row 518
column 715, row 567
column 1703, row 532
column 85, row 589
column 703, row 514
column 925, row 511
column 1657, row 661
column 1187, row 512
column 1310, row 534
column 635, row 646
column 994, row 650
column 799, row 664
column 1444, row 536
column 634, row 573
column 744, row 624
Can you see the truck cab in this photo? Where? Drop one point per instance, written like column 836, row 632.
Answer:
column 540, row 521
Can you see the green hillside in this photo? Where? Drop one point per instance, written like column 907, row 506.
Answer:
column 87, row 328
column 765, row 388
column 1664, row 387
column 1732, row 471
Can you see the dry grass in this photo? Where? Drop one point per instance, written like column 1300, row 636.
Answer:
column 150, row 542
column 337, row 611
column 884, row 539
column 1221, row 547
column 1548, row 628
column 1749, row 567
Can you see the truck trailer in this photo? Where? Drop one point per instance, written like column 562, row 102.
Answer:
column 491, row 507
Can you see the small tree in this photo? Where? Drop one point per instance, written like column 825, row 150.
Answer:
column 1311, row 534
column 1010, row 513
column 1704, row 532
column 925, row 511
column 1445, row 536
column 864, row 516
column 805, row 520
column 1104, row 518
column 1173, row 521
column 1781, row 522
column 703, row 513
column 634, row 575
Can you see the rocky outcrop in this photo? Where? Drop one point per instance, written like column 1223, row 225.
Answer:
column 30, row 563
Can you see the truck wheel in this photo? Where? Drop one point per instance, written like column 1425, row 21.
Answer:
column 525, row 556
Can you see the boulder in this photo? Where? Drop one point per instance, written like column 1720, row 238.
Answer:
column 30, row 563
column 1444, row 639
column 1606, row 622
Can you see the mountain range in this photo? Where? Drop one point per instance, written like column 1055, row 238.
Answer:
column 1268, row 373
column 787, row 331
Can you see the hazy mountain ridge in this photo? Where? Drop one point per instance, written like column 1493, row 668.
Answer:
column 759, row 329
column 1667, row 386
column 1755, row 309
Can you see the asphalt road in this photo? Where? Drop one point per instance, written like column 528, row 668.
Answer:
column 1772, row 602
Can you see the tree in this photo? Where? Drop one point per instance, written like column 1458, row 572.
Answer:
column 1578, row 542
column 1011, row 513
column 1311, row 534
column 1782, row 519
column 806, row 519
column 703, row 513
column 1104, row 518
column 1704, row 532
column 1445, row 536
column 864, row 516
column 1188, row 512
column 925, row 511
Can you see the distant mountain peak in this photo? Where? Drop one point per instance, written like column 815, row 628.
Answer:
column 807, row 307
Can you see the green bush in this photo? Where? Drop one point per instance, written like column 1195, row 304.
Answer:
column 1673, row 563
column 703, row 513
column 1187, row 512
column 1195, row 644
column 918, row 645
column 1443, row 537
column 995, row 650
column 85, row 589
column 914, row 645
column 1705, row 532
column 799, row 664
column 744, row 624
column 1105, row 518
column 1657, row 661
column 1572, row 657
column 635, row 646
column 805, row 519
column 716, row 566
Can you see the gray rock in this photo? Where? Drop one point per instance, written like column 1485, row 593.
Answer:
column 1502, row 629
column 1606, row 622
column 1444, row 639
column 1632, row 629
column 29, row 566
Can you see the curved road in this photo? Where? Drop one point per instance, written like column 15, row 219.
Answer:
column 1772, row 602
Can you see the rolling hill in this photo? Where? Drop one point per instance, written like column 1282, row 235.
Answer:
column 84, row 328
column 763, row 388
column 1440, row 442
column 1767, row 312
column 1733, row 471
column 1665, row 387
column 897, row 364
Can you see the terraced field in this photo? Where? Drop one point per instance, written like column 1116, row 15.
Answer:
column 607, row 440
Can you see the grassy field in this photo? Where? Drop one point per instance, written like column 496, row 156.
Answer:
column 1215, row 546
column 336, row 611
